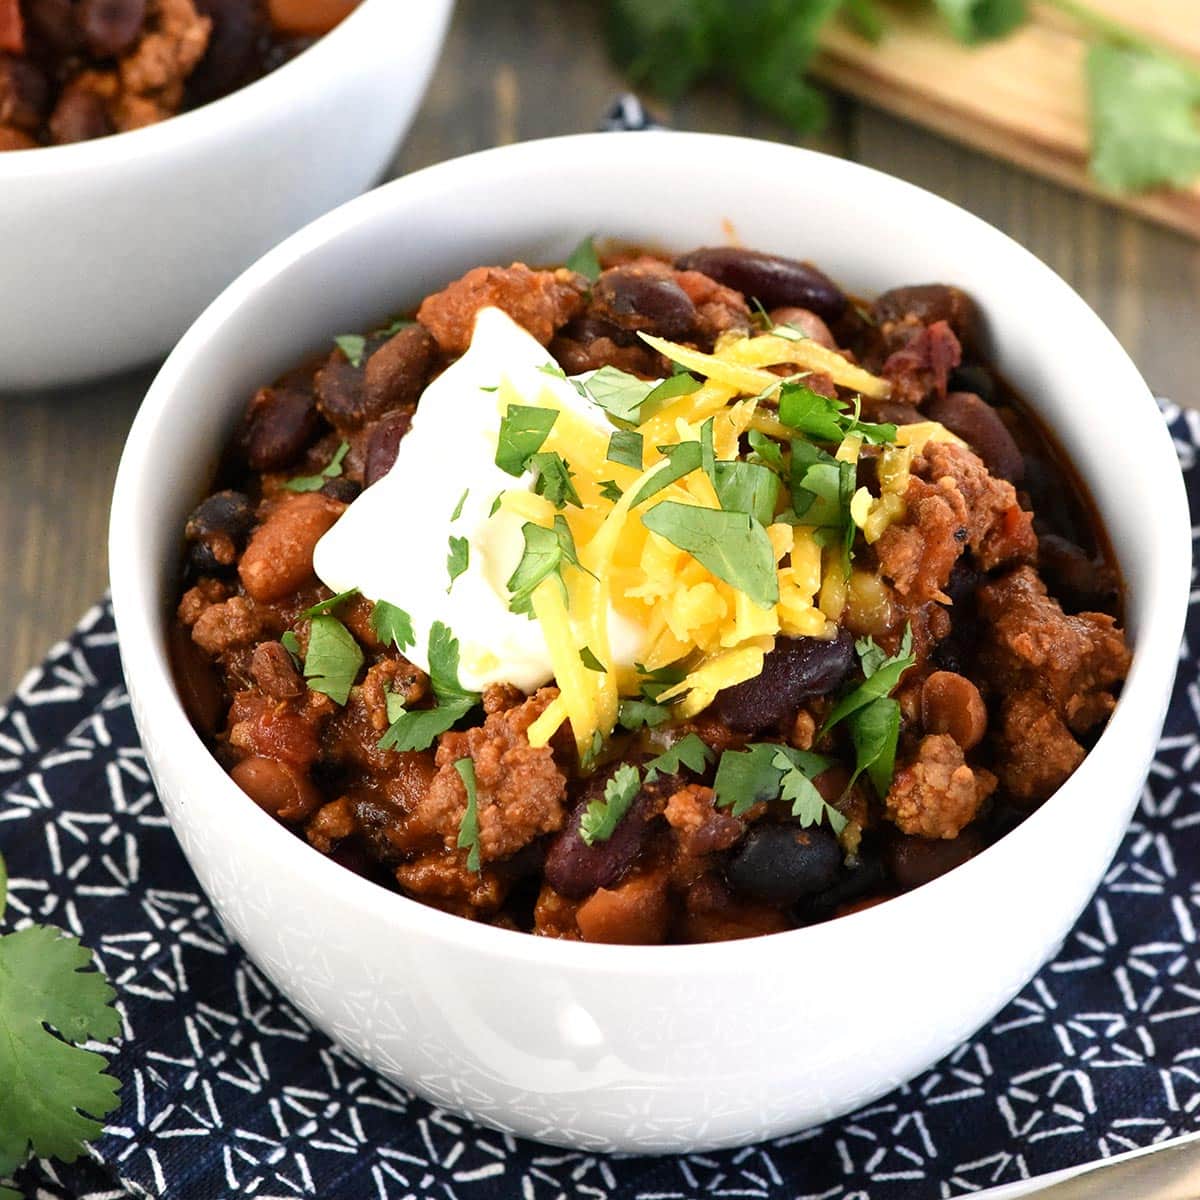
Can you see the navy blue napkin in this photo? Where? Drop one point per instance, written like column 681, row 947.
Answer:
column 228, row 1091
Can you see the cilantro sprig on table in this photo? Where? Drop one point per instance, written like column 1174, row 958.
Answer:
column 53, row 1092
column 1143, row 99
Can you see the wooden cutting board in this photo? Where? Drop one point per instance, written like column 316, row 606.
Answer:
column 1022, row 98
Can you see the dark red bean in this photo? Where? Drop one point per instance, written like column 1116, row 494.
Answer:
column 343, row 489
column 396, row 373
column 52, row 25
column 79, row 116
column 929, row 303
column 273, row 670
column 974, row 378
column 890, row 412
column 796, row 670
column 283, row 422
column 637, row 299
column 383, row 444
column 980, row 426
column 772, row 280
column 229, row 60
column 110, row 27
column 914, row 861
column 216, row 531
column 781, row 864
column 24, row 94
column 573, row 868
column 1075, row 578
column 196, row 680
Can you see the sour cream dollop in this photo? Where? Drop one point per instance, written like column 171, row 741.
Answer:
column 393, row 541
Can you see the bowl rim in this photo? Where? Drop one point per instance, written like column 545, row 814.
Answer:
column 209, row 119
column 139, row 617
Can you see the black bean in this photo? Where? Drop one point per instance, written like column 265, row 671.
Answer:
column 110, row 27
column 784, row 863
column 283, row 423
column 341, row 489
column 796, row 670
column 914, row 861
column 771, row 279
column 573, row 868
column 974, row 378
column 980, row 426
column 383, row 444
column 230, row 58
column 634, row 299
column 216, row 531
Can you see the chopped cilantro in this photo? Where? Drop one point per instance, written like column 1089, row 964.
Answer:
column 590, row 661
column 496, row 504
column 333, row 659
column 766, row 451
column 882, row 675
column 523, row 429
column 327, row 606
column 291, row 644
column 690, row 751
column 314, row 483
column 746, row 487
column 394, row 703
column 584, row 260
column 875, row 730
column 468, row 827
column 632, row 714
column 593, row 751
column 767, row 771
column 459, row 506
column 682, row 459
column 732, row 545
column 554, row 479
column 610, row 491
column 979, row 20
column 625, row 447
column 808, row 806
column 543, row 556
column 631, row 400
column 392, row 624
column 352, row 345
column 552, row 368
column 653, row 683
column 602, row 817
column 443, row 665
column 458, row 558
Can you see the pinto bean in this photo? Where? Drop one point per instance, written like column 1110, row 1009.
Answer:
column 110, row 27
column 796, row 670
column 929, row 303
column 398, row 371
column 635, row 299
column 217, row 530
column 635, row 913
column 278, row 558
column 273, row 671
column 573, row 868
column 14, row 139
column 771, row 279
column 807, row 322
column 308, row 18
column 277, row 787
column 782, row 863
column 383, row 444
column 283, row 422
column 980, row 426
column 952, row 704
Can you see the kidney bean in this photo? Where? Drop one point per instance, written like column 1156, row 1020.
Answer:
column 278, row 558
column 216, row 531
column 771, row 279
column 396, row 374
column 636, row 299
column 79, row 116
column 952, row 704
column 24, row 94
column 796, row 670
column 272, row 669
column 12, row 28
column 807, row 322
column 277, row 787
column 573, row 868
column 110, row 27
column 980, row 426
column 783, row 863
column 283, row 422
column 14, row 139
column 52, row 22
column 973, row 378
column 929, row 303
column 230, row 58
column 196, row 680
column 1079, row 581
column 913, row 861
column 383, row 444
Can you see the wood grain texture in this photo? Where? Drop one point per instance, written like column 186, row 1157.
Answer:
column 533, row 68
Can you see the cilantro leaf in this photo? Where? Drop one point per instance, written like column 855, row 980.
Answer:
column 554, row 479
column 458, row 558
column 865, row 18
column 682, row 459
column 882, row 676
column 690, row 751
column 314, row 483
column 333, row 659
column 810, row 412
column 732, row 545
column 394, row 703
column 352, row 346
column 468, row 827
column 459, row 506
column 617, row 392
column 1145, row 116
column 875, row 731
column 654, row 683
column 54, row 1091
column 766, row 450
column 392, row 624
column 417, row 729
column 633, row 714
column 808, row 805
column 584, row 260
column 625, row 447
column 979, row 20
column 746, row 778
column 327, row 606
column 443, row 666
column 291, row 644
column 602, row 817
column 747, row 488
column 610, row 491
column 544, row 554
column 590, row 661
column 523, row 429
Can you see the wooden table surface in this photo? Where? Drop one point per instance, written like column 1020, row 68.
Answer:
column 532, row 68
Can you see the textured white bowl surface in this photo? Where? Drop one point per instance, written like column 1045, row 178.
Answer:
column 112, row 247
column 636, row 1048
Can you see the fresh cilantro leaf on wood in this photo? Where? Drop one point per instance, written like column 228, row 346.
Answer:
column 468, row 828
column 584, row 260
column 602, row 817
column 53, row 1093
column 333, row 659
column 392, row 624
column 331, row 470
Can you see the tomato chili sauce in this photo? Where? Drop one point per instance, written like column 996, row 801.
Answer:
column 878, row 612
column 73, row 70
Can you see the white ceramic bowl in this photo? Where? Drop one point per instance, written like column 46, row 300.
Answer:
column 112, row 247
column 636, row 1048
